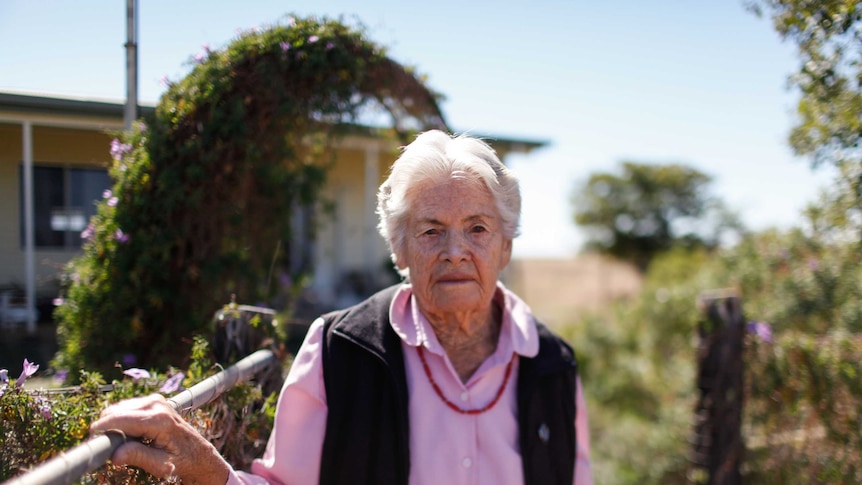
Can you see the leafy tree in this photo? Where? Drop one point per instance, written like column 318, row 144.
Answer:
column 802, row 413
column 648, row 209
column 829, row 126
column 827, row 33
column 202, row 196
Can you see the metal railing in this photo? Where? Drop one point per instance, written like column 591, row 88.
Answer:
column 71, row 465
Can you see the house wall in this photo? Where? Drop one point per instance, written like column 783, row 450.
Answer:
column 348, row 251
column 51, row 146
column 347, row 241
column 351, row 257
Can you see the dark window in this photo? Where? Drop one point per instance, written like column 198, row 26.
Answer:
column 64, row 199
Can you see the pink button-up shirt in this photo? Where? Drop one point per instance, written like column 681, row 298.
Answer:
column 445, row 447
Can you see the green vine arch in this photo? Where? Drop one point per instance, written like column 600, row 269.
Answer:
column 200, row 206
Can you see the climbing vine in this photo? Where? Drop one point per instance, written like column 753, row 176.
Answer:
column 203, row 191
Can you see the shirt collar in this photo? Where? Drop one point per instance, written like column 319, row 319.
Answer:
column 517, row 333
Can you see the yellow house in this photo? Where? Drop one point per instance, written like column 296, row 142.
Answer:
column 53, row 157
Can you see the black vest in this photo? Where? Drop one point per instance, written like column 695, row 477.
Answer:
column 367, row 428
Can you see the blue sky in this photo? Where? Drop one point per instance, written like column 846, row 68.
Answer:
column 701, row 83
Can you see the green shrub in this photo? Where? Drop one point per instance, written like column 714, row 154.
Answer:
column 802, row 409
column 36, row 425
column 203, row 192
column 638, row 370
column 803, row 394
column 802, row 413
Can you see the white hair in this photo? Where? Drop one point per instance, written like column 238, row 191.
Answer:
column 436, row 156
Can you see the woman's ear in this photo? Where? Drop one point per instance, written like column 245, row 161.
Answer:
column 506, row 254
column 399, row 258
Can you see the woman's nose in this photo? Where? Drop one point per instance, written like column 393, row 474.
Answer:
column 457, row 247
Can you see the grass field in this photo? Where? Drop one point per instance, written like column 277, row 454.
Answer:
column 559, row 290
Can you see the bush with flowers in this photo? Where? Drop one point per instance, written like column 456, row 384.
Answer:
column 203, row 192
column 803, row 398
column 801, row 290
column 36, row 425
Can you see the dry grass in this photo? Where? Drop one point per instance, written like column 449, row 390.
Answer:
column 560, row 290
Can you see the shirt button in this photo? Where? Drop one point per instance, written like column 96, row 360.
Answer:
column 467, row 462
column 465, row 395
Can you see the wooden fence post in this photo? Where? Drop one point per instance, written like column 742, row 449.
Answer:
column 717, row 439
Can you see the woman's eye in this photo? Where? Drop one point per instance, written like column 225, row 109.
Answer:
column 431, row 232
column 478, row 229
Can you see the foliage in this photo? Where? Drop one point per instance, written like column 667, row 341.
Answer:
column 827, row 34
column 797, row 282
column 829, row 126
column 802, row 397
column 803, row 391
column 36, row 425
column 637, row 365
column 803, row 402
column 837, row 217
column 648, row 209
column 803, row 412
column 201, row 203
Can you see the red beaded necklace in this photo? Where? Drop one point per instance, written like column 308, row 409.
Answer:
column 454, row 406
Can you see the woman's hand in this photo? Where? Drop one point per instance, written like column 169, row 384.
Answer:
column 173, row 447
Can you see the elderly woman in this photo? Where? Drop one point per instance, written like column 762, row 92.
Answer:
column 444, row 379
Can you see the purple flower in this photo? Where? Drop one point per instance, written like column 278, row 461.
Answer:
column 136, row 374
column 112, row 202
column 329, row 46
column 172, row 384
column 115, row 147
column 119, row 149
column 4, row 381
column 762, row 330
column 29, row 369
column 58, row 301
column 121, row 237
column 313, row 39
column 813, row 264
column 107, row 194
column 201, row 56
column 129, row 360
column 285, row 279
column 61, row 375
column 291, row 21
column 285, row 46
column 164, row 81
column 88, row 232
column 45, row 408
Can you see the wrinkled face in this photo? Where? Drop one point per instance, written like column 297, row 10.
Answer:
column 454, row 246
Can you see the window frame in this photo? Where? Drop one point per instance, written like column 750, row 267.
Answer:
column 71, row 238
